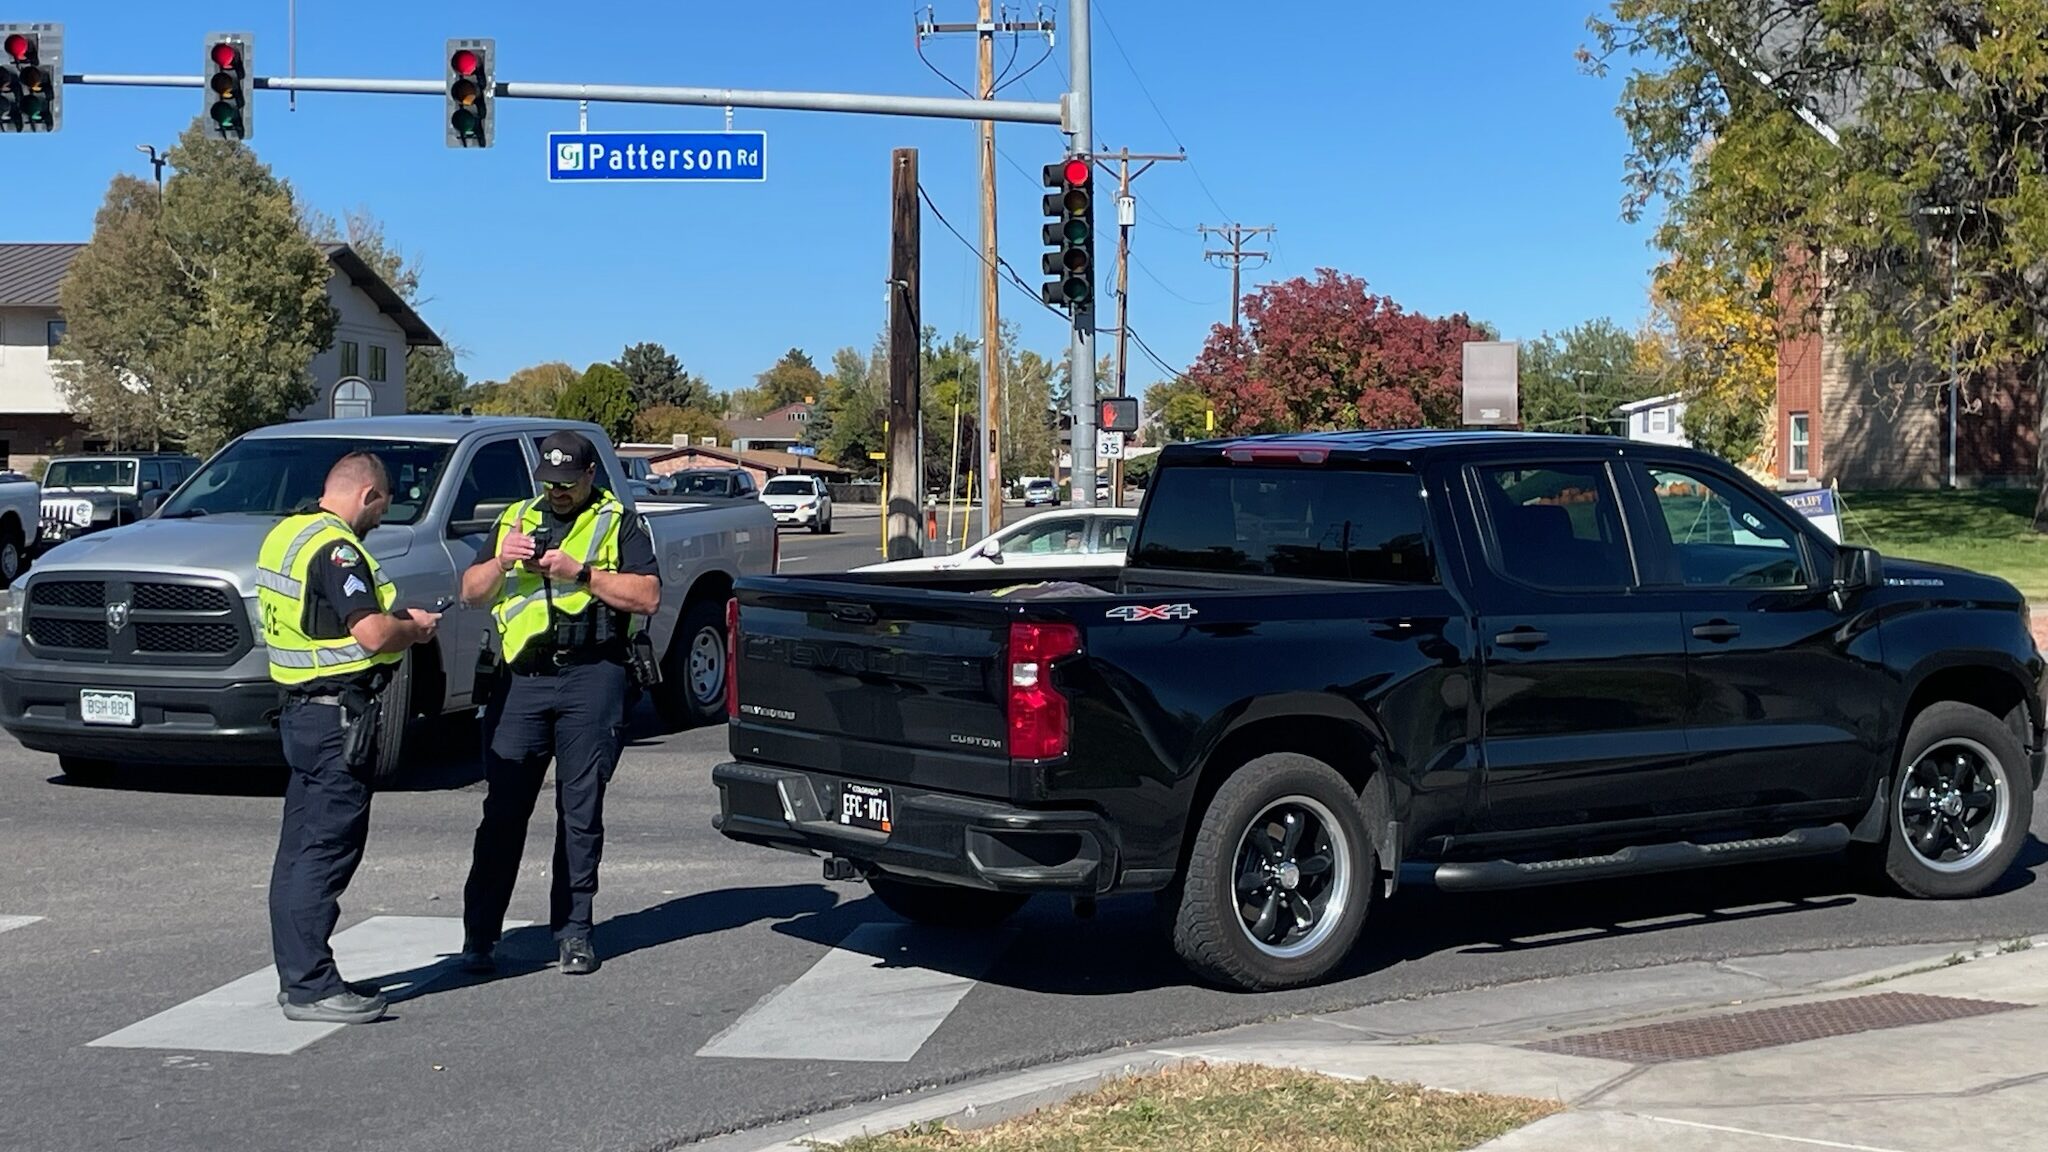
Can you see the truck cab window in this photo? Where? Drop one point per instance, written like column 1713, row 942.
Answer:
column 497, row 475
column 1556, row 526
column 1330, row 524
column 1721, row 536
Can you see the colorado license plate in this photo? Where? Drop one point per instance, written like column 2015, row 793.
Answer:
column 865, row 806
column 106, row 707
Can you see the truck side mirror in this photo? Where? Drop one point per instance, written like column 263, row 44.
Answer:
column 1856, row 568
column 153, row 500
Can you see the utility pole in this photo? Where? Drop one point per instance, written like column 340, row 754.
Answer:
column 991, row 456
column 1081, row 349
column 904, row 467
column 1126, row 216
column 1237, row 235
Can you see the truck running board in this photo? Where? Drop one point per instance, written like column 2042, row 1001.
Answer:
column 1638, row 860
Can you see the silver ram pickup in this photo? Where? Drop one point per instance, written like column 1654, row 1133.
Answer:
column 140, row 644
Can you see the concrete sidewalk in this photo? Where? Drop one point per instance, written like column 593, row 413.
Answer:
column 1898, row 1049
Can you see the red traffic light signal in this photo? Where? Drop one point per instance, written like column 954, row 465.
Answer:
column 464, row 62
column 1076, row 172
column 1118, row 414
column 224, row 55
column 17, row 46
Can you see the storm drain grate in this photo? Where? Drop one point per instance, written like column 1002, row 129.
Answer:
column 1768, row 1027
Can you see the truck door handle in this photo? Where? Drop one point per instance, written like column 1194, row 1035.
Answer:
column 1718, row 630
column 1522, row 638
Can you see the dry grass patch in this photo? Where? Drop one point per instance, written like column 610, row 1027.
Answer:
column 1233, row 1107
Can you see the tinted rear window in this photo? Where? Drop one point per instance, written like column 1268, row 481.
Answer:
column 1328, row 524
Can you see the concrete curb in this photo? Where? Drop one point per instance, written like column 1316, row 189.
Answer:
column 1004, row 1096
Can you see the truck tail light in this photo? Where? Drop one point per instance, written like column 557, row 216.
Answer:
column 732, row 658
column 1038, row 713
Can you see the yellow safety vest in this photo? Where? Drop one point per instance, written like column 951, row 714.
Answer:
column 281, row 581
column 522, row 608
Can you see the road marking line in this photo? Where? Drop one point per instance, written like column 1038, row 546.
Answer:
column 243, row 1016
column 9, row 923
column 879, row 996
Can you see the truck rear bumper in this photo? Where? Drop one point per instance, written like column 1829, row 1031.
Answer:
column 936, row 836
column 177, row 721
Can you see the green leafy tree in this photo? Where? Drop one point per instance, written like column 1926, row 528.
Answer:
column 432, row 381
column 658, row 378
column 603, row 396
column 195, row 319
column 849, row 423
column 532, row 391
column 1572, row 382
column 1179, row 408
column 792, row 380
column 1882, row 140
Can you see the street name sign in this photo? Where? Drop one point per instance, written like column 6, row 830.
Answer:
column 657, row 157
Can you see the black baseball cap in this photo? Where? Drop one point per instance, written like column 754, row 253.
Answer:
column 564, row 457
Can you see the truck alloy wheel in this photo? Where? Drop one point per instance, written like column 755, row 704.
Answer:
column 1293, row 877
column 1278, row 878
column 707, row 667
column 1959, row 806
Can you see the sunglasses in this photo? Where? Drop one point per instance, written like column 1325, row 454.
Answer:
column 559, row 485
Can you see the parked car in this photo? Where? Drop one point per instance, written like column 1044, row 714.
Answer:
column 729, row 483
column 142, row 644
column 1080, row 538
column 1498, row 659
column 20, row 524
column 800, row 501
column 643, row 479
column 97, row 491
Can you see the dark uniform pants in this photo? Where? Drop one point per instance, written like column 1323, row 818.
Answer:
column 577, row 716
column 326, row 821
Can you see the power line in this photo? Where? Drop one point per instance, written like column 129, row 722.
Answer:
column 1168, row 290
column 1114, row 39
column 1012, row 277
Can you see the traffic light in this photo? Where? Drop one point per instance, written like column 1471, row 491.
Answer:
column 230, row 85
column 469, row 93
column 1070, row 234
column 1118, row 414
column 31, row 77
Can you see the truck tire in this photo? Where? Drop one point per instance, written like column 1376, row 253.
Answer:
column 85, row 770
column 13, row 553
column 1960, row 804
column 397, row 721
column 945, row 906
column 1278, row 880
column 692, row 689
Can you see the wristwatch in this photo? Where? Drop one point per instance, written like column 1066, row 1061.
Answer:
column 583, row 574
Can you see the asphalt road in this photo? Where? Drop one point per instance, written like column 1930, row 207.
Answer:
column 728, row 971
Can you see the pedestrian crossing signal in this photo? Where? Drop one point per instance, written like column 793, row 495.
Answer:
column 1118, row 414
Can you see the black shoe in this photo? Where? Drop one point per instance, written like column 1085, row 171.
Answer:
column 364, row 988
column 578, row 959
column 477, row 958
column 341, row 1008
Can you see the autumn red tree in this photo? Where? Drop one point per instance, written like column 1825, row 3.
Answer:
column 1327, row 354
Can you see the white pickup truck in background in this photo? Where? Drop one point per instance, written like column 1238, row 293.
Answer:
column 141, row 644
column 21, row 521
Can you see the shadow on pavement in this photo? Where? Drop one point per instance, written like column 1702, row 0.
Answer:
column 1124, row 949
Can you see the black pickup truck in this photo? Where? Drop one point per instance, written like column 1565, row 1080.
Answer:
column 1508, row 659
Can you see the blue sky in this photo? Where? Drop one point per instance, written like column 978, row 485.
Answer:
column 1451, row 153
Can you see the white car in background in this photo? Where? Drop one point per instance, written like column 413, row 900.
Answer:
column 1076, row 538
column 799, row 501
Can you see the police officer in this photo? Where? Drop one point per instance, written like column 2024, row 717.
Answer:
column 332, row 637
column 564, row 610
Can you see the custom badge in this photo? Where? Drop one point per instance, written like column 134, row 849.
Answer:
column 346, row 556
column 557, row 457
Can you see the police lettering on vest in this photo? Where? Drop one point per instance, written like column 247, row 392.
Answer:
column 522, row 608
column 283, row 584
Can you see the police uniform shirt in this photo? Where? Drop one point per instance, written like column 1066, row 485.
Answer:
column 636, row 549
column 339, row 588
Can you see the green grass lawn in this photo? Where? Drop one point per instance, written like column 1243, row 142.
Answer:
column 1985, row 530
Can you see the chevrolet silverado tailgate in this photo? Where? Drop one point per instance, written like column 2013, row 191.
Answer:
column 895, row 684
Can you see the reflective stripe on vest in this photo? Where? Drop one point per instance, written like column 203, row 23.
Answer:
column 522, row 609
column 281, row 581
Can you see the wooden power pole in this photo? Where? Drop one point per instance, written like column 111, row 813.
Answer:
column 1126, row 216
column 905, row 540
column 1237, row 234
column 985, row 30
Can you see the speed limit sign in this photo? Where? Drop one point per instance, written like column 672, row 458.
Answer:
column 1111, row 446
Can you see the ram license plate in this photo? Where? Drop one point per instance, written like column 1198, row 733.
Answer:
column 864, row 806
column 106, row 707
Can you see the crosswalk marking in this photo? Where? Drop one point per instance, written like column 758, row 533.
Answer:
column 878, row 997
column 9, row 923
column 403, row 953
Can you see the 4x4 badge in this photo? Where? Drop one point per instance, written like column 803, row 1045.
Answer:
column 1132, row 612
